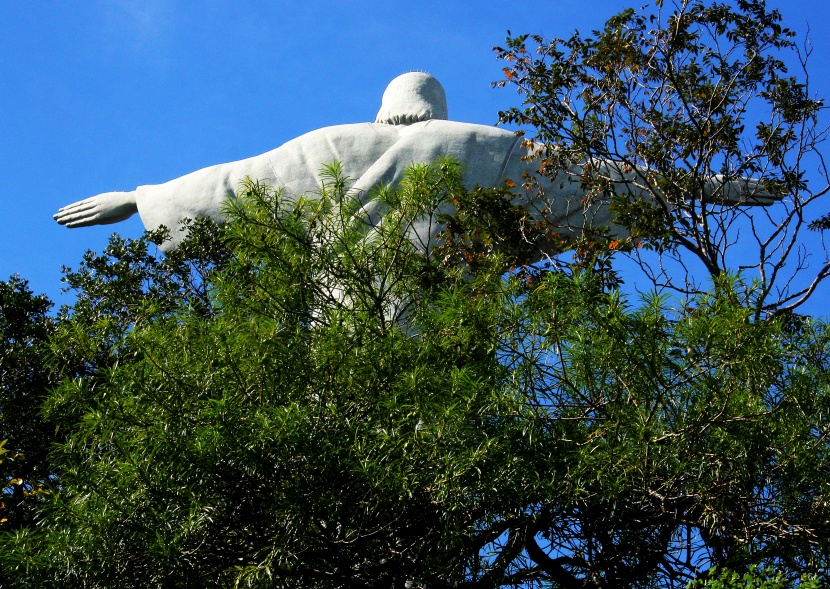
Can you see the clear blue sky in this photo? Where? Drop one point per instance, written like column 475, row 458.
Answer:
column 105, row 95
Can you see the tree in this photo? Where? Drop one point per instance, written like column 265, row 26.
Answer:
column 305, row 399
column 752, row 579
column 689, row 92
column 25, row 376
column 322, row 405
column 264, row 425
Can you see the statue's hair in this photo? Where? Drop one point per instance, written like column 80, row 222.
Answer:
column 411, row 98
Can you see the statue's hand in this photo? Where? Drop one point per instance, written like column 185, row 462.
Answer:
column 109, row 207
column 740, row 191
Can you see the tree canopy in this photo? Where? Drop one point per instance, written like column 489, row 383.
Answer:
column 305, row 398
column 692, row 95
column 25, row 376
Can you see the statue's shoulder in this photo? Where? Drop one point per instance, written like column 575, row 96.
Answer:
column 350, row 132
column 457, row 128
column 463, row 127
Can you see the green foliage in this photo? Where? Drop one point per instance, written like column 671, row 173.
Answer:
column 307, row 398
column 325, row 393
column 682, row 100
column 272, row 419
column 683, row 422
column 25, row 375
column 753, row 579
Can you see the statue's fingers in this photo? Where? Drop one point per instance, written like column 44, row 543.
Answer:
column 77, row 219
column 74, row 210
column 81, row 223
column 81, row 204
column 766, row 199
column 757, row 195
column 62, row 218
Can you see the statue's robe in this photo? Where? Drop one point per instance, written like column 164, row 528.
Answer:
column 370, row 154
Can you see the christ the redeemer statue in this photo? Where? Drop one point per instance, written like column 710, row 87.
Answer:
column 411, row 127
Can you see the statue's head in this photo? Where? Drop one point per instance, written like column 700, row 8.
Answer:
column 411, row 98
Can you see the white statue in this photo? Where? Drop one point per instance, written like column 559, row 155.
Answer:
column 411, row 127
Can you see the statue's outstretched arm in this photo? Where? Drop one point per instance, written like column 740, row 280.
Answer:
column 103, row 209
column 739, row 191
column 717, row 189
